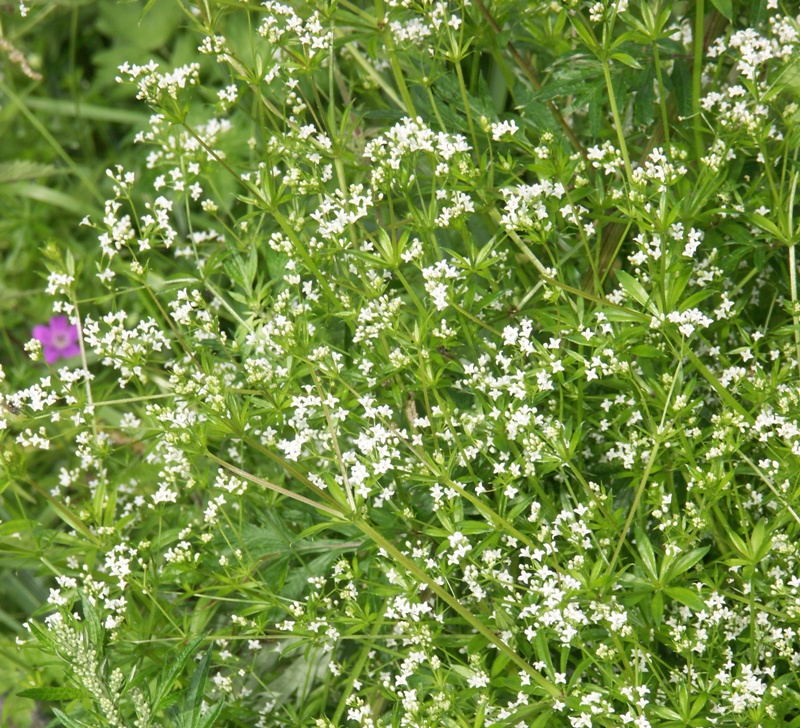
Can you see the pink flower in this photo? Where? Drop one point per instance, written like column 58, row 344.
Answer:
column 59, row 339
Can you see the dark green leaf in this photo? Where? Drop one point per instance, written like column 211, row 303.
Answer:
column 725, row 7
column 172, row 669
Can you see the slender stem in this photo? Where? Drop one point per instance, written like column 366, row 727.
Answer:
column 477, row 624
column 662, row 96
column 465, row 100
column 274, row 487
column 373, row 73
column 697, row 75
column 612, row 99
column 634, row 506
column 51, row 140
column 793, row 269
column 335, row 440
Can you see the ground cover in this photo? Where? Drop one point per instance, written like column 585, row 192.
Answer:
column 399, row 364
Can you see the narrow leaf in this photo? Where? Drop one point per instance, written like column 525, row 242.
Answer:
column 171, row 672
column 686, row 597
column 52, row 693
column 209, row 718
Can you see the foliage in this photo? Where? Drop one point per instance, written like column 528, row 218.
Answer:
column 438, row 364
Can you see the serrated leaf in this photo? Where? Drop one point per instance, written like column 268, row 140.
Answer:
column 52, row 693
column 92, row 622
column 210, row 717
column 171, row 672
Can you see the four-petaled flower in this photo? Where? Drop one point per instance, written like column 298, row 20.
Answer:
column 59, row 338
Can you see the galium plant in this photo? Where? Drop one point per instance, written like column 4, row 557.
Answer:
column 438, row 366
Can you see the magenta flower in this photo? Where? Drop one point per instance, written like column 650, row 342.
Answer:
column 59, row 339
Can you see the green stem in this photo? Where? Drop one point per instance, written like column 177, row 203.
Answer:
column 612, row 99
column 358, row 667
column 662, row 96
column 634, row 506
column 467, row 110
column 793, row 269
column 51, row 140
column 274, row 487
column 491, row 635
column 335, row 440
column 697, row 75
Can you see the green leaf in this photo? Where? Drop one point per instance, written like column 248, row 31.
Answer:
column 43, row 636
column 633, row 288
column 21, row 169
column 69, row 722
column 741, row 547
column 646, row 351
column 645, row 549
column 767, row 226
column 172, row 669
column 725, row 7
column 92, row 622
column 87, row 112
column 682, row 83
column 657, row 607
column 686, row 597
column 193, row 707
column 49, row 196
column 584, row 33
column 685, row 562
column 627, row 59
column 52, row 693
column 210, row 716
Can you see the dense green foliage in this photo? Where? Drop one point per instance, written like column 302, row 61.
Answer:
column 402, row 364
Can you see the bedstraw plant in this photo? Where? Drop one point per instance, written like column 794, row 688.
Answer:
column 439, row 365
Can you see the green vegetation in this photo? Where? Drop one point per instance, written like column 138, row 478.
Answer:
column 400, row 364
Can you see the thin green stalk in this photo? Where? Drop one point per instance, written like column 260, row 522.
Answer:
column 634, row 506
column 335, row 440
column 780, row 498
column 467, row 110
column 662, row 96
column 358, row 667
column 51, row 140
column 793, row 268
column 373, row 74
column 697, row 75
column 612, row 100
column 66, row 514
column 397, row 71
column 274, row 487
